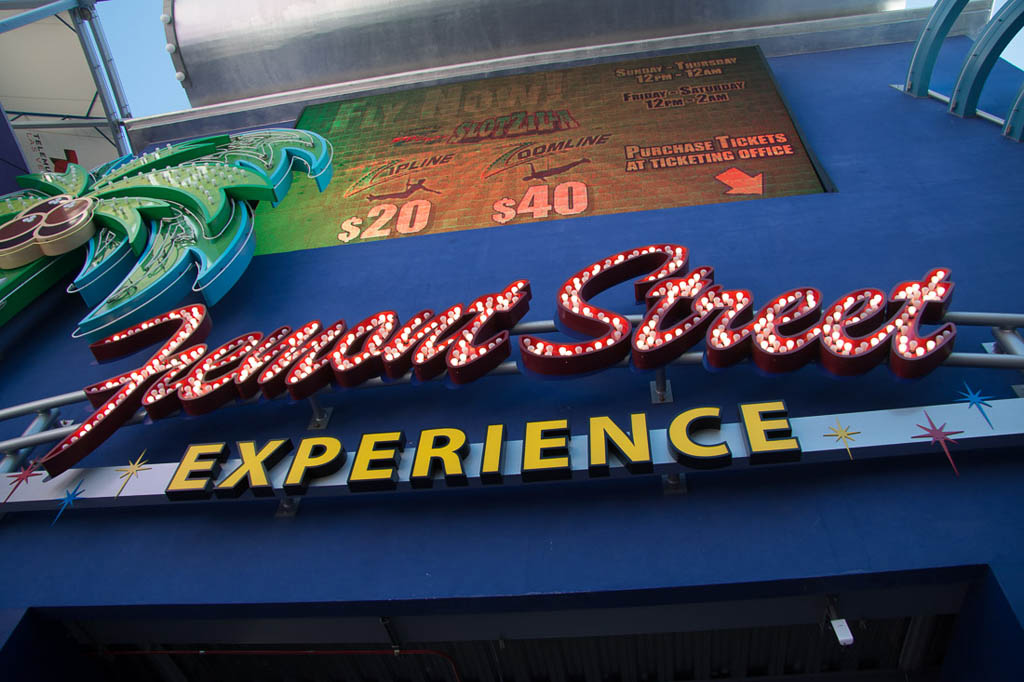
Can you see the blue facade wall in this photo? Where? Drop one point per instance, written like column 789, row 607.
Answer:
column 12, row 162
column 917, row 188
column 986, row 644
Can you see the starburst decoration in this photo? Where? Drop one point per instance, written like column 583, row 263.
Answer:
column 939, row 435
column 23, row 476
column 976, row 399
column 843, row 434
column 133, row 469
column 68, row 500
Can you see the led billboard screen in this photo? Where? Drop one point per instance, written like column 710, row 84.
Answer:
column 683, row 130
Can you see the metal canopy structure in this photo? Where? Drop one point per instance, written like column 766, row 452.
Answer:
column 266, row 69
column 307, row 43
column 61, row 93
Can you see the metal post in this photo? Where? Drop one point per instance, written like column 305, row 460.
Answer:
column 79, row 16
column 674, row 484
column 107, row 60
column 288, row 507
column 321, row 415
column 1010, row 344
column 661, row 388
column 1009, row 341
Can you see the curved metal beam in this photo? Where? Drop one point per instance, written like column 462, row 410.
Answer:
column 943, row 15
column 1014, row 128
column 996, row 34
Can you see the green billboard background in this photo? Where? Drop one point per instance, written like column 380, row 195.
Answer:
column 696, row 128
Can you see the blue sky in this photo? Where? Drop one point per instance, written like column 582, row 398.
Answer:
column 137, row 41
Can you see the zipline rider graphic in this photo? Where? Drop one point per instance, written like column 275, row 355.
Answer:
column 557, row 170
column 410, row 189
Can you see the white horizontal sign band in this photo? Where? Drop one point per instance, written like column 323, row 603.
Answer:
column 871, row 434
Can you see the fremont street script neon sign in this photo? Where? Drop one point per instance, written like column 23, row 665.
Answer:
column 857, row 332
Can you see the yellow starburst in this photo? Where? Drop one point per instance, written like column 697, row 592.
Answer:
column 842, row 433
column 133, row 469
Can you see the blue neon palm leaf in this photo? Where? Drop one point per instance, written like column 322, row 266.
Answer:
column 175, row 221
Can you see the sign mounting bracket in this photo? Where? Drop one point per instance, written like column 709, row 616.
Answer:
column 321, row 415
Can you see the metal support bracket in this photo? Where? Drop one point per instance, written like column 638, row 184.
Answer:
column 1008, row 341
column 943, row 15
column 1014, row 126
column 661, row 388
column 396, row 644
column 674, row 484
column 287, row 508
column 44, row 419
column 994, row 38
column 321, row 415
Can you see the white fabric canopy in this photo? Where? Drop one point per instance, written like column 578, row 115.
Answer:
column 44, row 71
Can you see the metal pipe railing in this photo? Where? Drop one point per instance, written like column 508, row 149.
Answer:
column 42, row 422
column 548, row 326
column 42, row 404
column 985, row 360
column 1006, row 320
column 1008, row 339
column 981, row 360
column 36, row 438
column 53, row 435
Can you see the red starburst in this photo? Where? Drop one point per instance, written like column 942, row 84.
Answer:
column 23, row 476
column 939, row 435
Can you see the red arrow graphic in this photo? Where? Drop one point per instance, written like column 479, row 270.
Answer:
column 741, row 183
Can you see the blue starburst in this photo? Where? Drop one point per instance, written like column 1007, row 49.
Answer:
column 976, row 399
column 68, row 500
